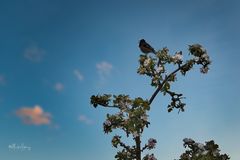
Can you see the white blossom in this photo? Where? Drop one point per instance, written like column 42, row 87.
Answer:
column 152, row 143
column 188, row 140
column 205, row 56
column 216, row 152
column 196, row 59
column 135, row 134
column 159, row 69
column 200, row 146
column 107, row 123
column 123, row 106
column 204, row 153
column 151, row 157
column 155, row 80
column 119, row 114
column 177, row 57
column 144, row 117
column 204, row 70
column 147, row 62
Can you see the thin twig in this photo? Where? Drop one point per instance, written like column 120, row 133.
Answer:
column 126, row 147
column 144, row 148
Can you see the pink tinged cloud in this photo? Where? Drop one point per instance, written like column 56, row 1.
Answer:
column 85, row 119
column 59, row 87
column 34, row 115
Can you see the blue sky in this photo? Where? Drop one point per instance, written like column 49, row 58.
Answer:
column 55, row 54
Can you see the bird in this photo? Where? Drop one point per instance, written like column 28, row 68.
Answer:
column 145, row 47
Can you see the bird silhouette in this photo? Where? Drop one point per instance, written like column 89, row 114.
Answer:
column 145, row 47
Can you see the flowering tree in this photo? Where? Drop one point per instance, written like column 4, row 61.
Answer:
column 199, row 151
column 132, row 115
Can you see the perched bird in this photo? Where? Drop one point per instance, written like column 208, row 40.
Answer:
column 145, row 47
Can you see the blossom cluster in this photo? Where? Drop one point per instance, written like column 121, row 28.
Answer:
column 176, row 101
column 149, row 157
column 132, row 116
column 116, row 141
column 199, row 151
column 177, row 58
column 155, row 66
column 200, row 57
column 124, row 155
column 152, row 143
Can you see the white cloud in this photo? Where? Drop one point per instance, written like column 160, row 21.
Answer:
column 104, row 69
column 34, row 53
column 78, row 74
column 34, row 115
column 58, row 86
column 85, row 119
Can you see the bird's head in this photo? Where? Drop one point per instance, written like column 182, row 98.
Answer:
column 142, row 41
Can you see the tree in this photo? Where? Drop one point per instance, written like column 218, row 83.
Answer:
column 199, row 151
column 132, row 115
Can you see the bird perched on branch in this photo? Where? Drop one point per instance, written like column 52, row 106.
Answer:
column 145, row 47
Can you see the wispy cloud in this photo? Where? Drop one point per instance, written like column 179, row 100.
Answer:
column 85, row 119
column 34, row 53
column 34, row 115
column 58, row 86
column 104, row 69
column 78, row 74
column 2, row 80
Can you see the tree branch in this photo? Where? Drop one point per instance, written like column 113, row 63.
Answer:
column 124, row 146
column 164, row 81
column 172, row 94
column 145, row 147
column 138, row 148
